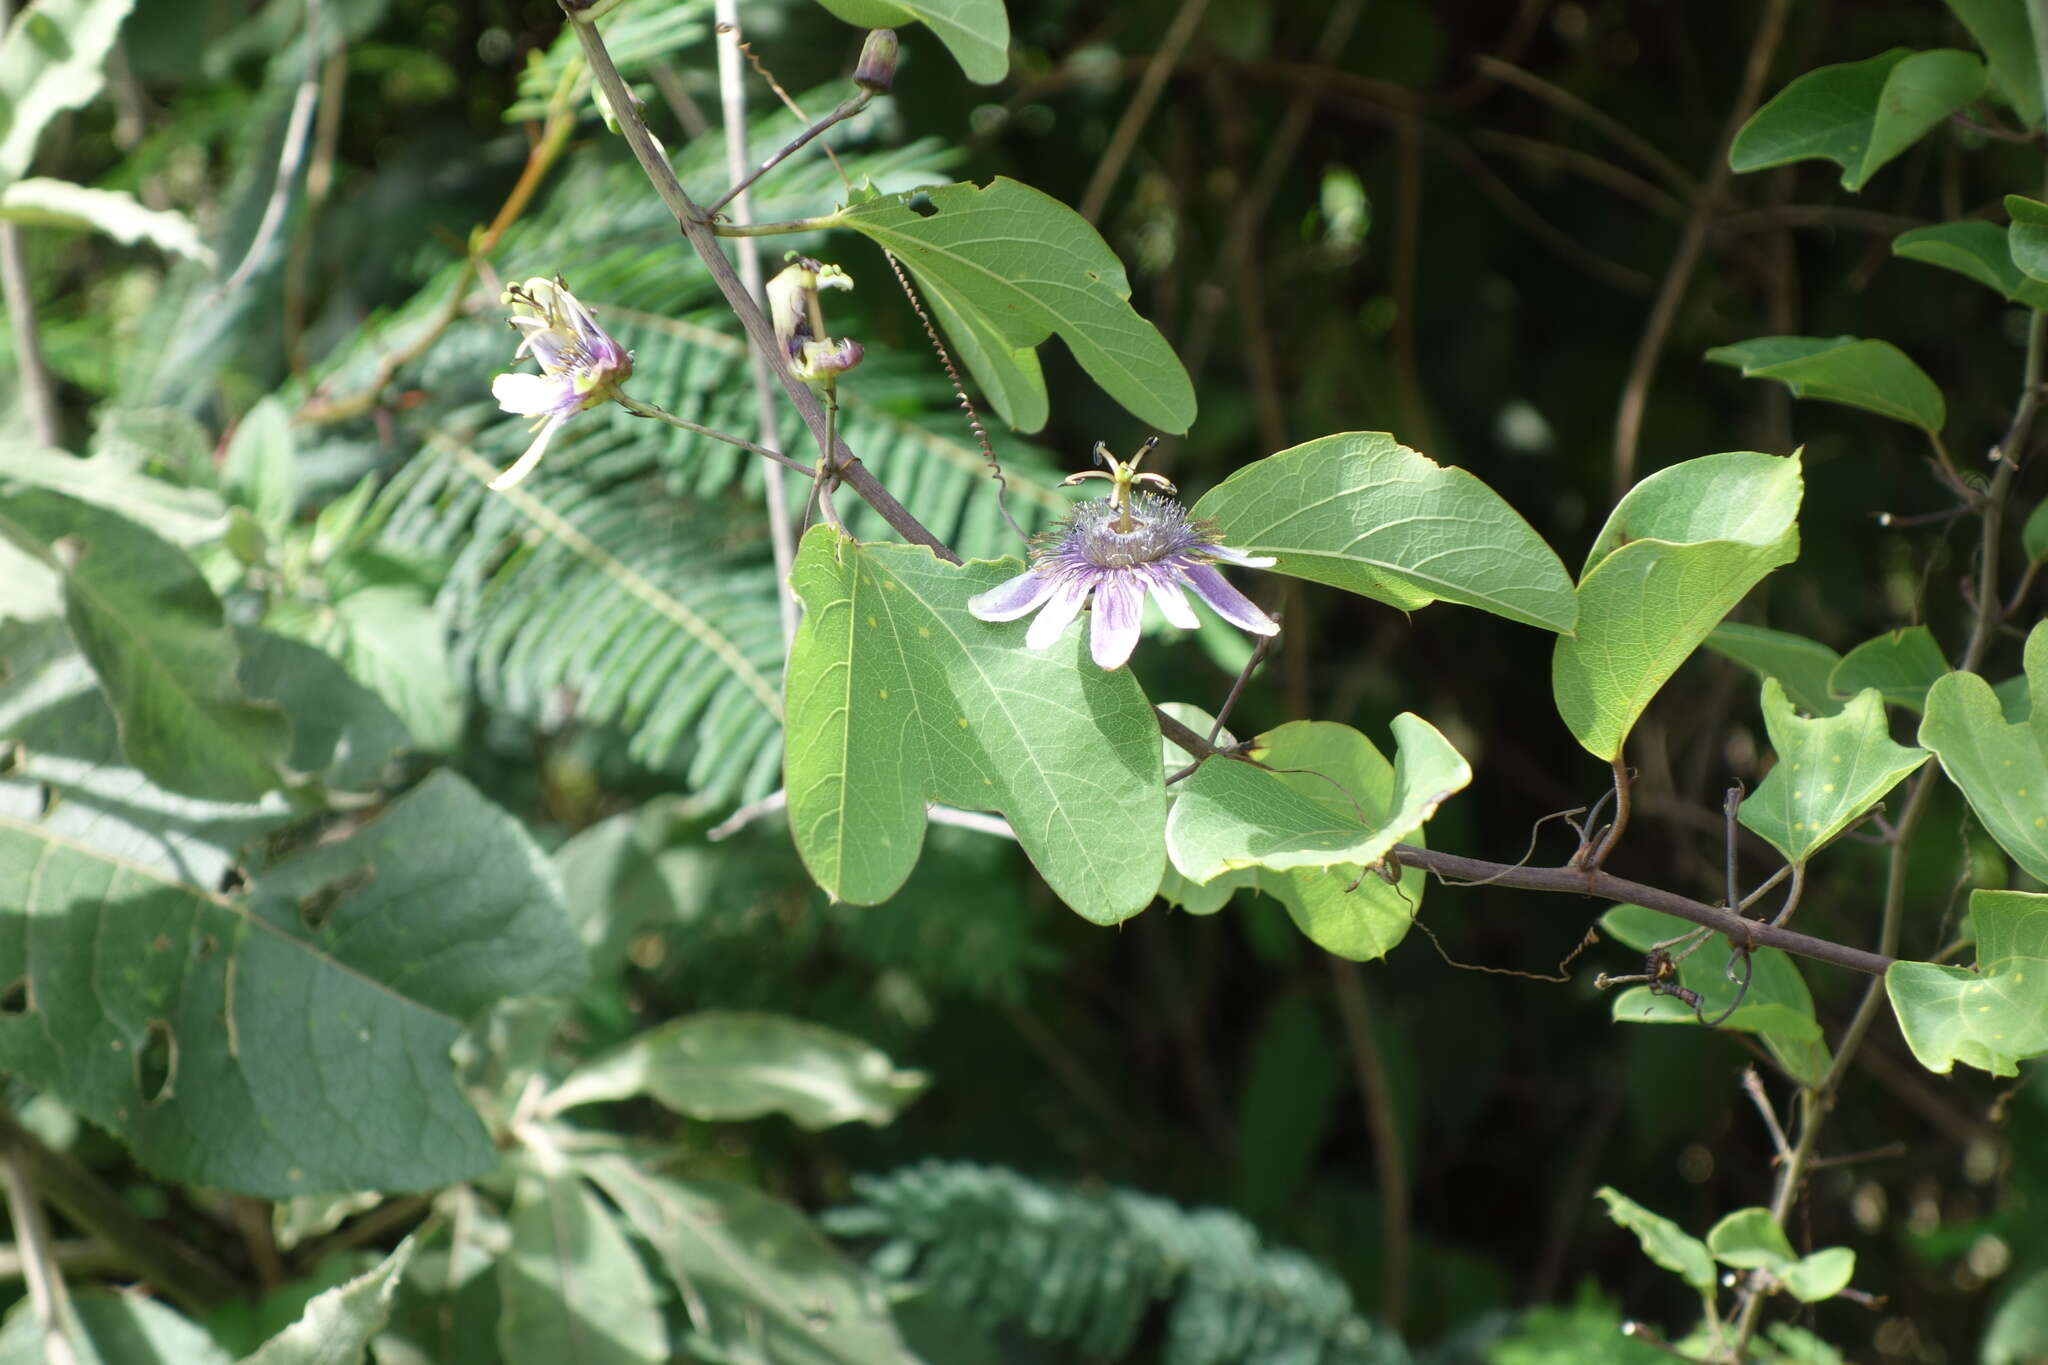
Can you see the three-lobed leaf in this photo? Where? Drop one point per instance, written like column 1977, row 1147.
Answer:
column 1677, row 553
column 1859, row 115
column 1994, row 1016
column 295, row 1038
column 2002, row 766
column 976, row 32
column 720, row 1065
column 1362, row 512
column 1024, row 266
column 154, row 631
column 1873, row 375
column 1830, row 771
column 898, row 696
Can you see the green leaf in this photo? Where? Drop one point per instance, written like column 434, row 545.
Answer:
column 184, row 516
column 153, row 630
column 337, row 1325
column 2034, row 535
column 50, row 61
column 2028, row 238
column 1009, row 375
column 1859, row 115
column 2018, row 1332
column 1829, row 772
column 1029, row 266
column 41, row 202
column 1664, row 1242
column 976, row 32
column 1296, row 832
column 1994, row 1016
column 1321, row 800
column 258, row 469
column 1977, row 249
column 897, row 696
column 1873, row 375
column 119, row 1329
column 1362, row 512
column 1900, row 664
column 721, row 1065
column 1677, row 553
column 571, row 1284
column 1800, row 665
column 762, row 1286
column 1749, row 1239
column 1776, row 1006
column 2001, row 767
column 293, row 1039
column 2000, row 28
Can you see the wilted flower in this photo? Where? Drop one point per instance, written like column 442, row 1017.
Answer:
column 1121, row 549
column 799, row 320
column 580, row 366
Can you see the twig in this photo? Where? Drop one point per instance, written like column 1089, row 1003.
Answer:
column 1606, row 886
column 1889, row 1149
column 732, row 96
column 1244, row 675
column 297, row 135
column 1594, row 859
column 1601, row 172
column 17, row 291
column 39, row 1267
column 1753, row 1085
column 661, row 414
column 1620, row 133
column 1376, row 1094
column 1143, row 100
column 1635, row 393
column 728, row 30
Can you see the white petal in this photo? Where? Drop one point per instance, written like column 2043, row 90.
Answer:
column 1113, row 634
column 1012, row 598
column 529, row 395
column 526, row 462
column 1173, row 605
column 1054, row 618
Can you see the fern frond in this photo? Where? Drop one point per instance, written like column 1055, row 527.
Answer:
column 1089, row 1266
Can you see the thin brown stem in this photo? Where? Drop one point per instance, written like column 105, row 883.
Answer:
column 1376, row 1094
column 1143, row 100
column 846, row 110
column 1616, row 131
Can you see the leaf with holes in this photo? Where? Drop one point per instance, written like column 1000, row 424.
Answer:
column 50, row 60
column 2001, row 766
column 1675, row 556
column 898, row 696
column 1859, row 115
column 976, row 32
column 1027, row 266
column 154, row 631
column 721, row 1065
column 1873, row 375
column 1362, row 512
column 1994, row 1016
column 1829, row 772
column 295, row 1038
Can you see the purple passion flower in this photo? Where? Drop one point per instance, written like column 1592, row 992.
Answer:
column 580, row 366
column 1148, row 546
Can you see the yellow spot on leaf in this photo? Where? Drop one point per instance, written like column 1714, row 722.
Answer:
column 885, row 694
column 924, row 632
column 963, row 722
column 873, row 622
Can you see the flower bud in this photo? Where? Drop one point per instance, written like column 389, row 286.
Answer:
column 876, row 69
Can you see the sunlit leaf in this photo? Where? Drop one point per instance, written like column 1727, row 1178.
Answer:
column 119, row 1329
column 2002, row 767
column 1994, row 1016
column 723, row 1065
column 1830, row 771
column 1750, row 1239
column 50, row 61
column 976, row 32
column 1028, row 266
column 258, row 469
column 1873, row 375
column 1678, row 552
column 44, row 203
column 1663, row 1240
column 337, row 1325
column 183, row 516
column 572, row 1286
column 898, row 696
column 155, row 634
column 1859, row 115
column 1362, row 512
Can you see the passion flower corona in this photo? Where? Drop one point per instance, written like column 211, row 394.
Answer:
column 1118, row 551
